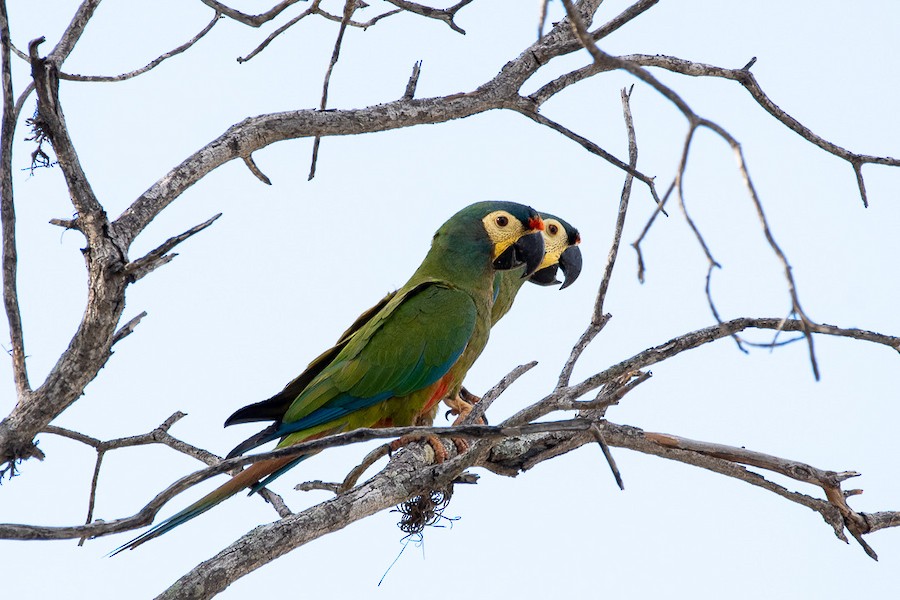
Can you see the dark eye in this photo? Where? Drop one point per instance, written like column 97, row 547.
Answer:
column 553, row 229
column 502, row 221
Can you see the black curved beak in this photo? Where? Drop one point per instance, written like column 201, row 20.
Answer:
column 570, row 263
column 546, row 276
column 528, row 251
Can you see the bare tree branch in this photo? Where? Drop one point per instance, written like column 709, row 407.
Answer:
column 251, row 20
column 517, row 444
column 8, row 217
column 598, row 319
column 602, row 59
column 146, row 514
column 153, row 63
column 72, row 33
column 441, row 14
column 700, row 337
column 262, row 46
column 493, row 393
column 405, row 476
column 157, row 257
column 349, row 8
column 128, row 328
column 748, row 80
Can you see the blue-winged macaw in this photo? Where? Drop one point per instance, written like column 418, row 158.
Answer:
column 406, row 356
column 560, row 252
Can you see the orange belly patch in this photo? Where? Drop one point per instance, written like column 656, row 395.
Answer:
column 440, row 390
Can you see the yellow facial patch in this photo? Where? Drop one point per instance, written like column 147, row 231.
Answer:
column 556, row 240
column 503, row 230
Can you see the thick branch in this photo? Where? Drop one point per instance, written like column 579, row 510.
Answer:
column 146, row 514
column 403, row 478
column 105, row 258
column 73, row 32
column 254, row 133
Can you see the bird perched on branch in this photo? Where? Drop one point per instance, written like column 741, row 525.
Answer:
column 405, row 356
column 561, row 252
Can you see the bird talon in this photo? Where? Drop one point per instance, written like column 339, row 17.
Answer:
column 440, row 453
column 461, row 444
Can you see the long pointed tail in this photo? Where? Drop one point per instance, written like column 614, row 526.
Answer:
column 247, row 478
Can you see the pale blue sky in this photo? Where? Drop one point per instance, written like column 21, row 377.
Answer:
column 251, row 300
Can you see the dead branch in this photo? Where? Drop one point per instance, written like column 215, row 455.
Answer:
column 8, row 217
column 349, row 8
column 598, row 319
column 251, row 20
column 512, row 447
column 157, row 257
column 262, row 46
column 146, row 514
column 441, row 14
column 152, row 64
column 408, row 474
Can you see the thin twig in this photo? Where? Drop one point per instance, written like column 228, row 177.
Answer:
column 592, row 148
column 601, row 58
column 746, row 78
column 154, row 63
column 829, row 481
column 262, row 46
column 542, row 18
column 370, row 459
column 641, row 268
column 413, row 81
column 141, row 267
column 492, row 394
column 598, row 319
column 441, row 14
column 251, row 20
column 598, row 435
column 349, row 7
column 128, row 328
column 251, row 164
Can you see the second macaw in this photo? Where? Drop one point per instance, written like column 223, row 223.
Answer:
column 560, row 252
column 406, row 356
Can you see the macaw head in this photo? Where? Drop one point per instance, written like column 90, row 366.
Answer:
column 515, row 230
column 506, row 234
column 560, row 252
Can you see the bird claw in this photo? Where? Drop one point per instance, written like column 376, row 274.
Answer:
column 440, row 453
column 461, row 444
column 462, row 404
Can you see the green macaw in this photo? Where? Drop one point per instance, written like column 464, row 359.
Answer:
column 560, row 252
column 407, row 355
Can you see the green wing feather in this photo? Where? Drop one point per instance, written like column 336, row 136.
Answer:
column 405, row 348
